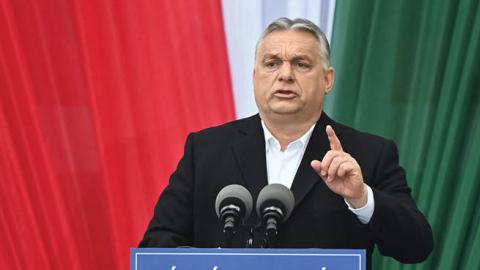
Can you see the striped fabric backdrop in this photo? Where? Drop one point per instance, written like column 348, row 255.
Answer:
column 96, row 100
column 98, row 96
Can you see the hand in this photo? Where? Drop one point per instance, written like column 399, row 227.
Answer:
column 342, row 173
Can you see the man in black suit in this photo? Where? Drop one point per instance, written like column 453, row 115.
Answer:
column 350, row 192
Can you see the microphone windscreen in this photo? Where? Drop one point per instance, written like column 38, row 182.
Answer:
column 235, row 194
column 276, row 195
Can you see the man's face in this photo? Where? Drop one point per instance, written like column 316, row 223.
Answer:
column 289, row 78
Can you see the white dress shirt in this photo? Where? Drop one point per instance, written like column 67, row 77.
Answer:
column 283, row 165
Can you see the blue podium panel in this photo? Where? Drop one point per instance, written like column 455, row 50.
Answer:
column 246, row 259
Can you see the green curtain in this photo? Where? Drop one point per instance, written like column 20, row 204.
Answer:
column 410, row 71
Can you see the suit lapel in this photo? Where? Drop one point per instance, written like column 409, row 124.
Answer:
column 317, row 147
column 249, row 152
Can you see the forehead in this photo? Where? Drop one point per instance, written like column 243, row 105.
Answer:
column 290, row 42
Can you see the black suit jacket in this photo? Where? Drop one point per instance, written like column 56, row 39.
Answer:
column 235, row 153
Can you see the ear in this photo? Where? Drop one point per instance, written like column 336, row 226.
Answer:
column 329, row 79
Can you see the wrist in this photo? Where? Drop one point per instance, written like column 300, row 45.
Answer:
column 361, row 201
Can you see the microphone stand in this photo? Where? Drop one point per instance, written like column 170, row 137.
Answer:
column 252, row 231
column 272, row 215
column 228, row 231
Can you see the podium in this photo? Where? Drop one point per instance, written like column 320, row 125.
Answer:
column 246, row 259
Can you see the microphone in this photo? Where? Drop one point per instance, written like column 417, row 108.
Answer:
column 274, row 205
column 233, row 204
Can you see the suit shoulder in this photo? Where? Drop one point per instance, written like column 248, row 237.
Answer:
column 226, row 130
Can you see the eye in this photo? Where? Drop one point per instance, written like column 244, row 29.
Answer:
column 303, row 65
column 272, row 64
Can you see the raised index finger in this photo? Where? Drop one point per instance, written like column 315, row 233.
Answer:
column 334, row 141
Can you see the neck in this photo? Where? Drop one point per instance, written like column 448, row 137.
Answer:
column 288, row 130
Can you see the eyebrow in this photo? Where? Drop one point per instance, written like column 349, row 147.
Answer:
column 271, row 55
column 295, row 57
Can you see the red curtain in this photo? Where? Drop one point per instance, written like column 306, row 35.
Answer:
column 97, row 97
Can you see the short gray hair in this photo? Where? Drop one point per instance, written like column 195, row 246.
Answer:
column 284, row 24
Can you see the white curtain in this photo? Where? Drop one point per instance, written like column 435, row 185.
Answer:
column 245, row 20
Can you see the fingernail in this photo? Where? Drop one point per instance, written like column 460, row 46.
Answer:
column 323, row 173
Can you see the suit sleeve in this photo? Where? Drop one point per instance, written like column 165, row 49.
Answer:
column 171, row 225
column 400, row 229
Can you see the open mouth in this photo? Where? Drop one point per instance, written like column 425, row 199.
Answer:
column 286, row 94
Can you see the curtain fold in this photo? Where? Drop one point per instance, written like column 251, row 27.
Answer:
column 408, row 70
column 96, row 100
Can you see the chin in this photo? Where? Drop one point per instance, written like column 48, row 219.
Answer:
column 285, row 111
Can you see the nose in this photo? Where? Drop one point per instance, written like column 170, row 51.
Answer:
column 286, row 73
